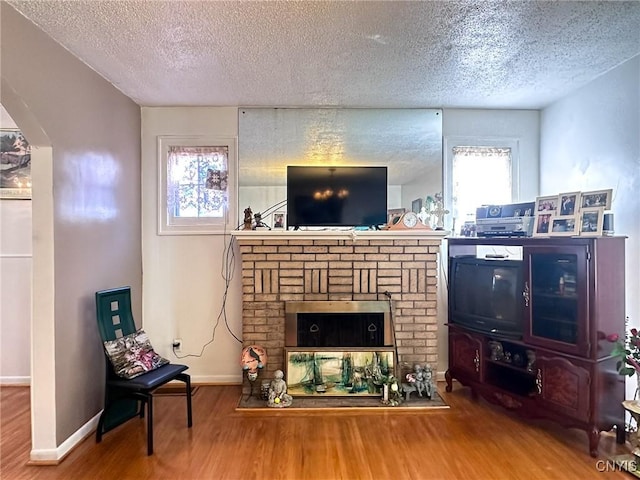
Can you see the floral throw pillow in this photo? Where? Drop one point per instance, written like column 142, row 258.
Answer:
column 133, row 355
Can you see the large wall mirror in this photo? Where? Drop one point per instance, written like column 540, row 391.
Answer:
column 407, row 141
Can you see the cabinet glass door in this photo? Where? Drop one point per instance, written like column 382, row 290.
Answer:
column 558, row 292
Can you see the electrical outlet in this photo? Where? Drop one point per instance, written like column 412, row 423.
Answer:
column 177, row 344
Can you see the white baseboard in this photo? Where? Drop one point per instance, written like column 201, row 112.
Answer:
column 56, row 455
column 216, row 379
column 17, row 381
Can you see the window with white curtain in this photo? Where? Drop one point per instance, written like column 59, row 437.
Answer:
column 197, row 185
column 481, row 175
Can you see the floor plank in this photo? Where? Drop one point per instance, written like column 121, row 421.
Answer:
column 472, row 439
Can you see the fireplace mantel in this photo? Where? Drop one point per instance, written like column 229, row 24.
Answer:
column 353, row 235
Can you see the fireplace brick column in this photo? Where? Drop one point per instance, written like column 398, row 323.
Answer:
column 281, row 268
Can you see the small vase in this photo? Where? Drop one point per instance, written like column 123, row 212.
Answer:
column 385, row 393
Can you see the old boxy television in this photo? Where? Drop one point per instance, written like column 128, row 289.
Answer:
column 336, row 196
column 485, row 295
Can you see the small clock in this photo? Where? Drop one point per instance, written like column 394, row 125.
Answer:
column 408, row 221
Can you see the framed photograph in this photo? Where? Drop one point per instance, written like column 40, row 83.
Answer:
column 279, row 220
column 564, row 226
column 591, row 221
column 394, row 213
column 547, row 205
column 337, row 371
column 416, row 205
column 15, row 165
column 542, row 226
column 596, row 198
column 568, row 204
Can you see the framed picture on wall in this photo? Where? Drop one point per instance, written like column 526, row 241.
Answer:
column 591, row 221
column 15, row 165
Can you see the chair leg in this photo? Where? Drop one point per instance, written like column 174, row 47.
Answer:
column 100, row 426
column 150, row 425
column 187, row 382
column 189, row 414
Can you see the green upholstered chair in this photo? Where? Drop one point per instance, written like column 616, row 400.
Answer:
column 127, row 398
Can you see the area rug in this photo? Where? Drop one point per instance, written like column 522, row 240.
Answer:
column 341, row 404
column 174, row 390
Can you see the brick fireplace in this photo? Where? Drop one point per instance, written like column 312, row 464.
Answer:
column 303, row 266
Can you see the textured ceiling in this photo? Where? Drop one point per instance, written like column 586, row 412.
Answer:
column 475, row 54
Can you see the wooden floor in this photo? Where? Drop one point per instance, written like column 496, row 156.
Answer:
column 470, row 440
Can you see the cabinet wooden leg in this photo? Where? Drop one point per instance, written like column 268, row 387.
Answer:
column 621, row 434
column 447, row 377
column 594, row 439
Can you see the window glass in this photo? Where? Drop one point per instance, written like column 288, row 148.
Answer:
column 197, row 179
column 480, row 176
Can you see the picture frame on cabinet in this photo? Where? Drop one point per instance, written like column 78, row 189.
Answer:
column 591, row 221
column 416, row 205
column 564, row 226
column 542, row 227
column 596, row 198
column 568, row 204
column 547, row 205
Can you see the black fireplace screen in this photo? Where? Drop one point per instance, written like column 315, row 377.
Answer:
column 340, row 329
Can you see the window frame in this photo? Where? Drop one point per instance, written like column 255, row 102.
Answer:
column 202, row 225
column 470, row 141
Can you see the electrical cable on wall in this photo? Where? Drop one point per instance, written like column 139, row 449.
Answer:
column 227, row 269
column 226, row 272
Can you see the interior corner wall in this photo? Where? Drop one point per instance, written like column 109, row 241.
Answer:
column 184, row 289
column 590, row 141
column 91, row 204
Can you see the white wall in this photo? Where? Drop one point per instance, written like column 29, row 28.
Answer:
column 590, row 140
column 85, row 216
column 182, row 281
column 15, row 291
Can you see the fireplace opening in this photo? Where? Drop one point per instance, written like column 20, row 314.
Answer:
column 320, row 324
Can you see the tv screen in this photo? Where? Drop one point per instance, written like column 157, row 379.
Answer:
column 485, row 295
column 336, row 196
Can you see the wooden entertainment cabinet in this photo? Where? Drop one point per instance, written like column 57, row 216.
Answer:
column 560, row 368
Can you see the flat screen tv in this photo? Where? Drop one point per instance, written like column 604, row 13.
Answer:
column 336, row 196
column 485, row 295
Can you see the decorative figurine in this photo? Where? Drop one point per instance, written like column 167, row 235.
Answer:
column 439, row 211
column 278, row 396
column 531, row 360
column 259, row 223
column 421, row 381
column 254, row 358
column 497, row 352
column 424, row 216
column 247, row 218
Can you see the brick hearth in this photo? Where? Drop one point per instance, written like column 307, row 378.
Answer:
column 299, row 266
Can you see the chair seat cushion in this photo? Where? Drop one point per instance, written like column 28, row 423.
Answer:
column 152, row 379
column 133, row 355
